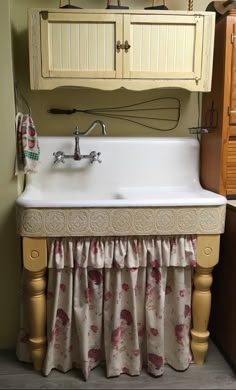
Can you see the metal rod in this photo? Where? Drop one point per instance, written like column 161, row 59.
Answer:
column 190, row 5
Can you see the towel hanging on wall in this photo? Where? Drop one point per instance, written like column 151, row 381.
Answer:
column 27, row 145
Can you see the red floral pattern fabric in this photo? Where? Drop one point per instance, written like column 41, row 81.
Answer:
column 125, row 301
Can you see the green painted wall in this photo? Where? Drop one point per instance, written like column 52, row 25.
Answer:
column 9, row 243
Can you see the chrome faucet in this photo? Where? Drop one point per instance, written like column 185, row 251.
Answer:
column 92, row 156
column 77, row 134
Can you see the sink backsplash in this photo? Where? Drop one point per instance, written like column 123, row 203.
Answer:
column 126, row 162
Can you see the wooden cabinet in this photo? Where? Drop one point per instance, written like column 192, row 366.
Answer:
column 218, row 147
column 218, row 173
column 111, row 49
column 223, row 313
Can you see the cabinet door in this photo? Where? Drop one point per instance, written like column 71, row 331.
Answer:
column 80, row 45
column 163, row 47
column 232, row 111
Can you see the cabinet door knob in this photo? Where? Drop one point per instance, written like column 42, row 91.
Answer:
column 127, row 46
column 119, row 46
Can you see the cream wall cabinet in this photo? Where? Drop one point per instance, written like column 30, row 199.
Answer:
column 111, row 49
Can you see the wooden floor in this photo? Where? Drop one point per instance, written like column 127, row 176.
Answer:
column 214, row 374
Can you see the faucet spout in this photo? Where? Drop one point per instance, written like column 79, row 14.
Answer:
column 92, row 126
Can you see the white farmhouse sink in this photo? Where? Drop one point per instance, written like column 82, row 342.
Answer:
column 151, row 181
column 144, row 187
column 134, row 172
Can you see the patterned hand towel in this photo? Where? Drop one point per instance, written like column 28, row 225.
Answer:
column 27, row 147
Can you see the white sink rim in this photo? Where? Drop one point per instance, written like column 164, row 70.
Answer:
column 174, row 197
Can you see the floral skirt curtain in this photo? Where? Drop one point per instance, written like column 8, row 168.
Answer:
column 125, row 301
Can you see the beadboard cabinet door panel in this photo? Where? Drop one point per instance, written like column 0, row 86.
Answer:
column 163, row 46
column 79, row 46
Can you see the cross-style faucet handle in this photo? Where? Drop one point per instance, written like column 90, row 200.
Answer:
column 95, row 156
column 59, row 156
column 98, row 157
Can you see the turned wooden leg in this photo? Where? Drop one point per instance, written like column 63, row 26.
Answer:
column 207, row 257
column 35, row 262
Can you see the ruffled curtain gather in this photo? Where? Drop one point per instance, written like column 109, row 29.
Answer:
column 125, row 301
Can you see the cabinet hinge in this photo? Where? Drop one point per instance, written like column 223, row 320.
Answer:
column 44, row 15
column 233, row 36
column 231, row 111
column 197, row 18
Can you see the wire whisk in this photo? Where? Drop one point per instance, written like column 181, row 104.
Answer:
column 160, row 114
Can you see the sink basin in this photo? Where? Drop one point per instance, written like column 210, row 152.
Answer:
column 134, row 172
column 155, row 176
